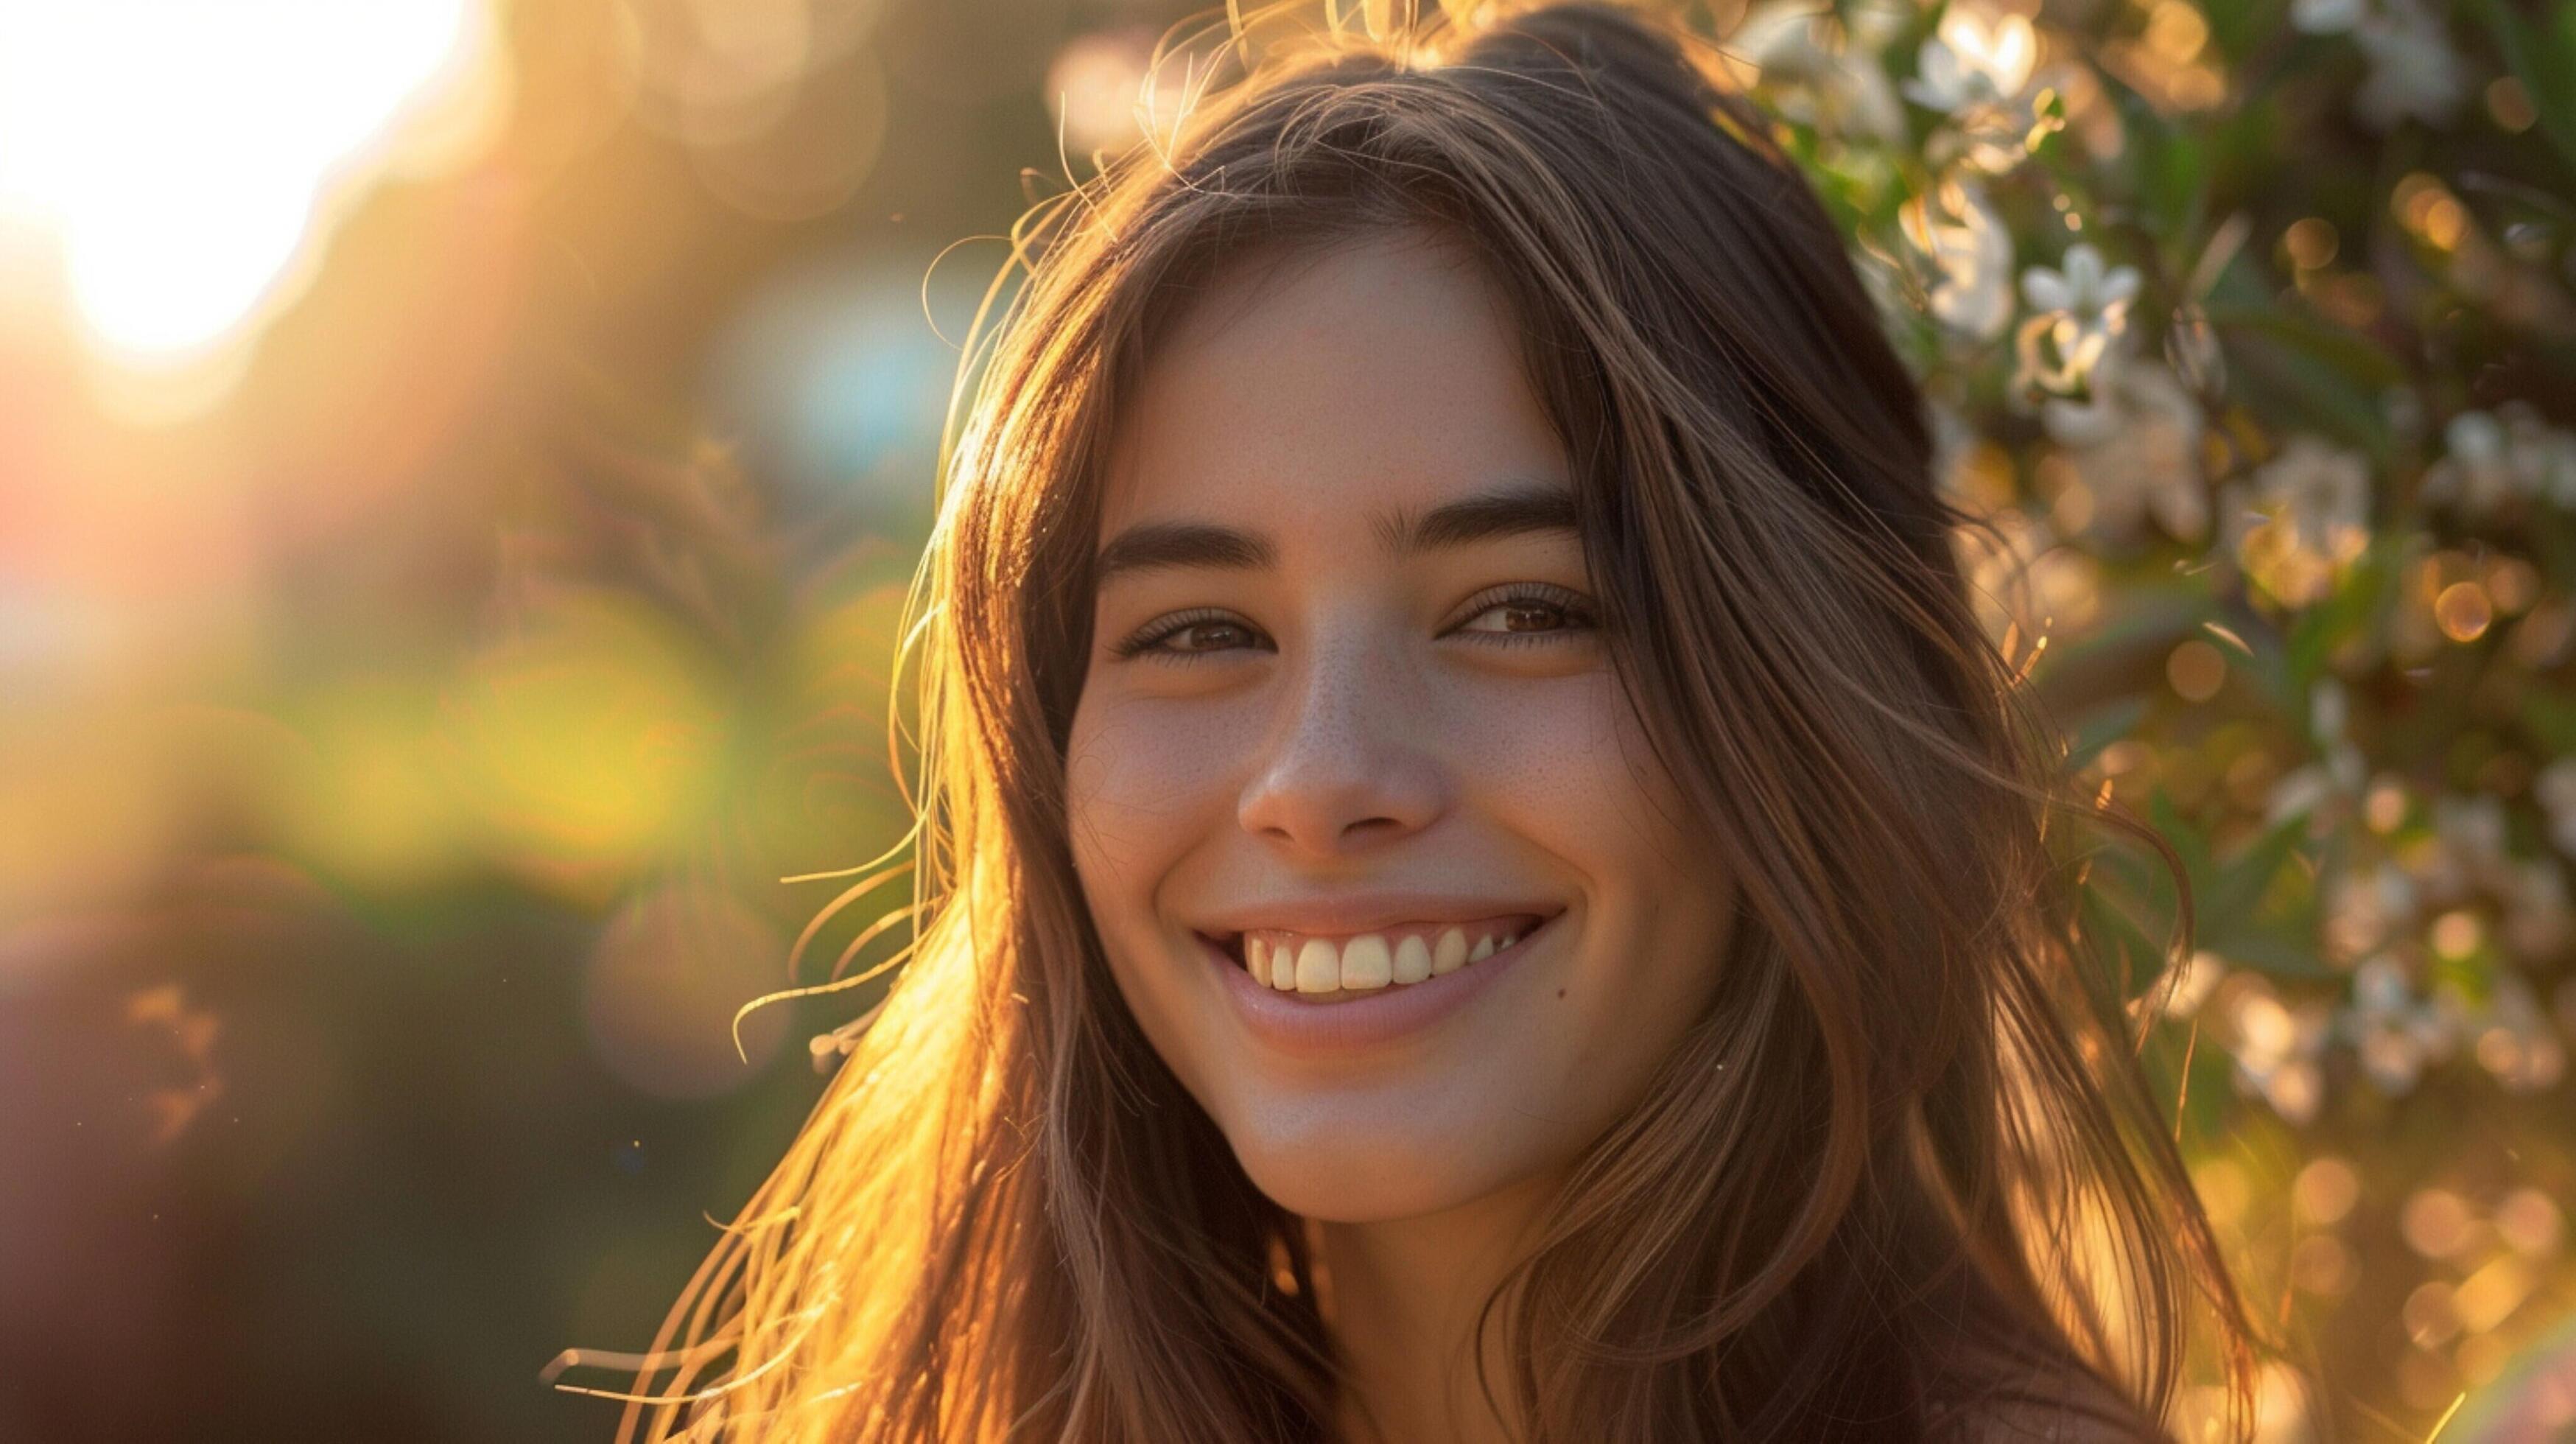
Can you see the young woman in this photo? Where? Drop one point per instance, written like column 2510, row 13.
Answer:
column 1476, row 876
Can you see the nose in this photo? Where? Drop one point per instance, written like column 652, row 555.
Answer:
column 1349, row 761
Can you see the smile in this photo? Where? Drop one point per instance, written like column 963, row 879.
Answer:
column 1401, row 956
column 1334, row 1022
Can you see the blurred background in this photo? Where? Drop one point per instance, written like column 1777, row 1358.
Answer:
column 461, row 462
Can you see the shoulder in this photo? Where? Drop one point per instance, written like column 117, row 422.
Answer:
column 2004, row 1382
column 2000, row 1393
column 2069, row 1406
column 2021, row 1422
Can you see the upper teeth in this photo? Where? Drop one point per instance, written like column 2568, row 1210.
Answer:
column 1296, row 963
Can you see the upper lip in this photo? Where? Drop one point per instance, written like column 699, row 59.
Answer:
column 1371, row 912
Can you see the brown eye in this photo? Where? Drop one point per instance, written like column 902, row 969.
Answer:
column 1523, row 617
column 1205, row 636
column 1188, row 637
column 1526, row 616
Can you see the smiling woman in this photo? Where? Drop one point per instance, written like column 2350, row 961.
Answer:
column 1478, row 878
column 1348, row 708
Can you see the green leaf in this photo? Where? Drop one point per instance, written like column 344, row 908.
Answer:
column 2306, row 385
column 2101, row 727
column 2239, row 28
column 2154, row 613
column 2355, row 355
column 2113, row 935
column 2550, row 717
column 2314, row 636
column 2271, row 952
column 2172, row 172
column 2186, row 840
column 2543, row 58
column 2241, row 884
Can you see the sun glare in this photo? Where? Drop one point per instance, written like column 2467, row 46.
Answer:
column 178, row 159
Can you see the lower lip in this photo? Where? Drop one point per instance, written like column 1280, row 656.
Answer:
column 1290, row 1024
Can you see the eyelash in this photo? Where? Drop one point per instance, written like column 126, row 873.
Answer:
column 1570, row 605
column 1165, row 628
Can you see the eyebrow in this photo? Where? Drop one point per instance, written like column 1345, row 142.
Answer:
column 1512, row 510
column 1508, row 511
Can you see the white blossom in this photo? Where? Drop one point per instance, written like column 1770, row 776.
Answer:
column 2276, row 1050
column 2394, row 1031
column 1976, row 71
column 2555, row 787
column 1971, row 252
column 2468, row 852
column 2339, row 776
column 1828, row 73
column 2303, row 520
column 2085, row 289
column 2537, row 916
column 2135, row 442
column 2514, row 1039
column 2326, row 17
column 2413, row 69
column 1974, row 59
column 2365, row 907
column 2496, row 461
column 2080, row 311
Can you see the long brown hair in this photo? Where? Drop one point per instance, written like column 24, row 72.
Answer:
column 1904, row 1172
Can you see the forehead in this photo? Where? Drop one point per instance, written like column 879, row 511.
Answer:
column 1305, row 391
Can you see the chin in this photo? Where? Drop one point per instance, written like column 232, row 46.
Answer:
column 1331, row 1197
column 1346, row 1180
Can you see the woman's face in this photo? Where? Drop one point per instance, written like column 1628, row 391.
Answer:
column 1346, row 709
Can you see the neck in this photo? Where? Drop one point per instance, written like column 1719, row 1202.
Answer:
column 1404, row 1295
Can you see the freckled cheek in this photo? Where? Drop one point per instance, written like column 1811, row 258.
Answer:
column 1548, row 761
column 1567, row 768
column 1144, row 784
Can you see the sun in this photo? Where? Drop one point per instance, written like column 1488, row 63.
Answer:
column 173, row 165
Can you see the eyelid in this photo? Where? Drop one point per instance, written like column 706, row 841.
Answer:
column 1565, row 599
column 1152, row 635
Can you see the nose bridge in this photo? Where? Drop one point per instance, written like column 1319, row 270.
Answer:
column 1348, row 753
column 1347, row 664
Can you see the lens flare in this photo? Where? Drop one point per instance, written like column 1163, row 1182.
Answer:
column 181, row 158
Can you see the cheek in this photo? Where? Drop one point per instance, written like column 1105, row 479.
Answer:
column 1144, row 783
column 1571, row 770
column 1553, row 763
column 1150, row 790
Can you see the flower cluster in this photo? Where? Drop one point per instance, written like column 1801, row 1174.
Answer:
column 2281, row 438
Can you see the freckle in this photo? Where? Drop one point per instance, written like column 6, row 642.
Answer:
column 1560, row 992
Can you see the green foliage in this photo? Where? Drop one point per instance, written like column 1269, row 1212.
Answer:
column 2269, row 308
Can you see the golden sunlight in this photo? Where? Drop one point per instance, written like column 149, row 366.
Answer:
column 173, row 166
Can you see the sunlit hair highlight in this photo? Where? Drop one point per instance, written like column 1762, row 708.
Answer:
column 1903, row 1179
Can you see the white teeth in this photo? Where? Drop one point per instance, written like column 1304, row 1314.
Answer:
column 1451, row 955
column 1366, row 963
column 1318, row 969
